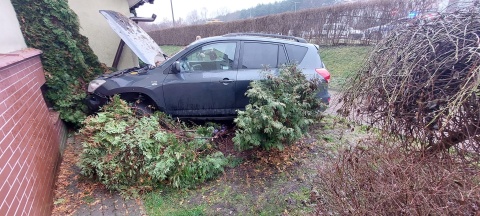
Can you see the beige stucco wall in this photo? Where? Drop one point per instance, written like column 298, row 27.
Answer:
column 103, row 40
column 11, row 38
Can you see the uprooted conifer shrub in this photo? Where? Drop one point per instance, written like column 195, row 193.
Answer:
column 126, row 153
column 281, row 109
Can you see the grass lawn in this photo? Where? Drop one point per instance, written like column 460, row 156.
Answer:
column 343, row 61
column 170, row 49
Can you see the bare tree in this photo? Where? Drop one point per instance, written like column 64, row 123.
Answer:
column 165, row 23
column 193, row 18
column 222, row 12
column 180, row 22
column 203, row 13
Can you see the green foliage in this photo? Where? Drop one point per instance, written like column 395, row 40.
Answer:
column 171, row 50
column 281, row 109
column 51, row 26
column 122, row 151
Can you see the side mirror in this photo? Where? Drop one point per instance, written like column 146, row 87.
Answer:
column 176, row 68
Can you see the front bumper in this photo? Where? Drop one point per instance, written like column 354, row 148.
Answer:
column 94, row 102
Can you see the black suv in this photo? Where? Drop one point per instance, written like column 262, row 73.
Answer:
column 208, row 78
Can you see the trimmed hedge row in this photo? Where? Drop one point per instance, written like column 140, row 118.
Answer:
column 307, row 23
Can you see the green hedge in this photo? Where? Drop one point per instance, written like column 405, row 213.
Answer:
column 69, row 62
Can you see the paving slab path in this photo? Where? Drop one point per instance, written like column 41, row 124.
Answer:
column 110, row 204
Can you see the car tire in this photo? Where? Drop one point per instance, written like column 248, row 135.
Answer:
column 141, row 109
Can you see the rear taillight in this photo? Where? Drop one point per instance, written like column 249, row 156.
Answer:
column 324, row 73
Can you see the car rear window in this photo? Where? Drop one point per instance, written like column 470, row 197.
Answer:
column 295, row 53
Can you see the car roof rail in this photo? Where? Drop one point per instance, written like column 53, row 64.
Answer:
column 297, row 39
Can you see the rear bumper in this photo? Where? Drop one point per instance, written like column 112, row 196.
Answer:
column 322, row 93
column 324, row 97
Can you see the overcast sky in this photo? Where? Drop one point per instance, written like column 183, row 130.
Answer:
column 182, row 7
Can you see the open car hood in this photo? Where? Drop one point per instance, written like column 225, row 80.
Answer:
column 135, row 37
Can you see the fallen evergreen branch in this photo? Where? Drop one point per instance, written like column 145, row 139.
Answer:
column 124, row 152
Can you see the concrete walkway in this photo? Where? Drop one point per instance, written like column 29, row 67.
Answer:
column 110, row 205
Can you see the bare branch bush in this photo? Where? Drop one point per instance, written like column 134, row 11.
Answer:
column 378, row 179
column 420, row 90
column 422, row 85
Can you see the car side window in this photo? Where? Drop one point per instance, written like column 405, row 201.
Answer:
column 210, row 57
column 296, row 53
column 259, row 55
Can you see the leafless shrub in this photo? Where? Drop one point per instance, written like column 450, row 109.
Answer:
column 379, row 179
column 422, row 84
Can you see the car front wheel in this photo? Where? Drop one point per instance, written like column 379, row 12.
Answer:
column 141, row 109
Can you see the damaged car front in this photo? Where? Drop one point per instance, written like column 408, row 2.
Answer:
column 130, row 82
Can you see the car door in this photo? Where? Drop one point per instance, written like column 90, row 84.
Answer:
column 255, row 58
column 205, row 86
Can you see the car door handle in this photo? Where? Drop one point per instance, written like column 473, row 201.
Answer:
column 226, row 81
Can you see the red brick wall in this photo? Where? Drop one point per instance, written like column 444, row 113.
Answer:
column 30, row 137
